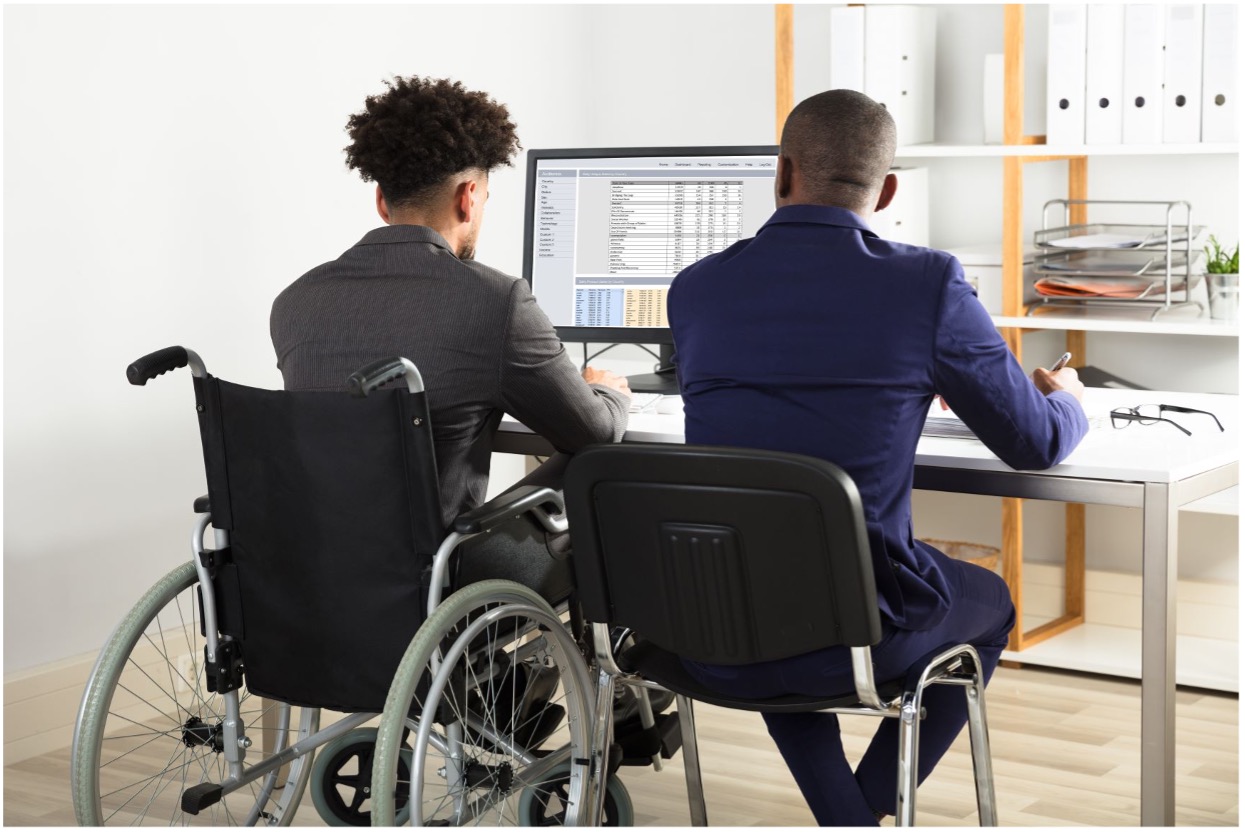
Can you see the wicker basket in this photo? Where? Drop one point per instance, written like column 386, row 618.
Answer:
column 979, row 554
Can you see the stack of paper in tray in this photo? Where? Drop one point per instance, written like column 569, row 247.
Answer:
column 1089, row 287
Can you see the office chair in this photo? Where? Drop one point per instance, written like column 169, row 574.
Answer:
column 737, row 556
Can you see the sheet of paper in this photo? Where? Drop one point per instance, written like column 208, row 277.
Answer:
column 1116, row 240
column 1098, row 241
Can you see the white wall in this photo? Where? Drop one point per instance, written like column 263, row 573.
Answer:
column 682, row 75
column 169, row 169
column 673, row 75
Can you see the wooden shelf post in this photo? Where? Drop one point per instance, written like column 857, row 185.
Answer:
column 1013, row 305
column 784, row 65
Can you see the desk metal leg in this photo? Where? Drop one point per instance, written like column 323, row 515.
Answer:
column 1158, row 657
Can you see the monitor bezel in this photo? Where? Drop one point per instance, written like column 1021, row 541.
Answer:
column 602, row 335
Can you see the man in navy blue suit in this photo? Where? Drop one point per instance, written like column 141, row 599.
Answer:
column 820, row 338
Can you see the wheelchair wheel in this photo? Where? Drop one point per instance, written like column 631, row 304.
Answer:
column 148, row 728
column 498, row 695
column 341, row 780
column 545, row 805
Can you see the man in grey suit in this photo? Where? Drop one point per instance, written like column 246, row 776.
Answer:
column 412, row 288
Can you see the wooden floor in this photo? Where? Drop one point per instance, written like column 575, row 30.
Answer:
column 1066, row 752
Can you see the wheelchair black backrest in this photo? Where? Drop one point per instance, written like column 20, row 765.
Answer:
column 334, row 514
column 721, row 555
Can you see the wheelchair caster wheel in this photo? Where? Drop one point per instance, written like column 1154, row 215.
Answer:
column 341, row 780
column 544, row 805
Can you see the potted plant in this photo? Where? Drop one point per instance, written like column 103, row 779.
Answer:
column 1223, row 279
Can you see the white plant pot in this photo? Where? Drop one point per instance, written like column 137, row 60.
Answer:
column 1225, row 295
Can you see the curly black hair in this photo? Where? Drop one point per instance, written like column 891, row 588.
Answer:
column 411, row 138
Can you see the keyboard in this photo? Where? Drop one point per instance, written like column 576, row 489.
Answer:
column 641, row 402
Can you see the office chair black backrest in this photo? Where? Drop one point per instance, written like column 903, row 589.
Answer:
column 721, row 555
column 334, row 515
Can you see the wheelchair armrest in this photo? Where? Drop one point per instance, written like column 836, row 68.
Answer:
column 514, row 502
column 203, row 504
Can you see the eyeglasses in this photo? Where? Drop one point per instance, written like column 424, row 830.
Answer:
column 1150, row 414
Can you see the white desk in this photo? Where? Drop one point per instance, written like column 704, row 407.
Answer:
column 1151, row 467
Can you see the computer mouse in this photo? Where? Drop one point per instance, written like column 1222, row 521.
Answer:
column 670, row 405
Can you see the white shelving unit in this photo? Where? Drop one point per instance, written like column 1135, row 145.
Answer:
column 1112, row 648
column 1109, row 642
column 1121, row 320
column 1227, row 502
column 1106, row 649
column 935, row 150
column 1203, row 173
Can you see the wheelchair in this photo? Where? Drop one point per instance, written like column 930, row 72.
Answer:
column 321, row 590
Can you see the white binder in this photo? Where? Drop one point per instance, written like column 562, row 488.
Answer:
column 906, row 219
column 847, row 48
column 1182, row 73
column 1104, row 74
column 1065, row 75
column 899, row 67
column 1219, row 87
column 1143, row 74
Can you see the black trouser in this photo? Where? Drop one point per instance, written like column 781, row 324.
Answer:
column 520, row 549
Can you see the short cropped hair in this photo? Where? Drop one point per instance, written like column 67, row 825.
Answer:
column 412, row 138
column 843, row 144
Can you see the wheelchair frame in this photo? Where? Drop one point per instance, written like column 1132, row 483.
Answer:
column 229, row 737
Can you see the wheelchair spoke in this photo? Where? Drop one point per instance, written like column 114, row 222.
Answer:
column 154, row 736
column 177, row 808
column 161, row 787
column 196, row 650
column 164, row 652
column 142, row 784
column 501, row 701
column 191, row 686
column 147, row 702
column 147, row 733
column 511, row 695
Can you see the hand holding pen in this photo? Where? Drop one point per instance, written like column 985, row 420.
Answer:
column 1059, row 377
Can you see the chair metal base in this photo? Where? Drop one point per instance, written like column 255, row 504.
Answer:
column 959, row 665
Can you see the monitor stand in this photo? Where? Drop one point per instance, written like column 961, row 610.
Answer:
column 661, row 381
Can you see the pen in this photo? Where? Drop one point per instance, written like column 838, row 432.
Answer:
column 1063, row 360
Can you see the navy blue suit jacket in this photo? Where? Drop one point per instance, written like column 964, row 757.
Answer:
column 818, row 337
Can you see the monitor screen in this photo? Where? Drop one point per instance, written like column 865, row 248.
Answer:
column 608, row 229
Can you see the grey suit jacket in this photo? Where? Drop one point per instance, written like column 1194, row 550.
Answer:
column 480, row 341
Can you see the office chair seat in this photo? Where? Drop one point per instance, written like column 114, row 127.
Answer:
column 666, row 669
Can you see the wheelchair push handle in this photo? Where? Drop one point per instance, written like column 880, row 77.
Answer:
column 364, row 381
column 162, row 361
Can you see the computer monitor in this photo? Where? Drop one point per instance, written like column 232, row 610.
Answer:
column 607, row 229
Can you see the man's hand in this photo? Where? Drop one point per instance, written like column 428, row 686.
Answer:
column 605, row 377
column 1065, row 380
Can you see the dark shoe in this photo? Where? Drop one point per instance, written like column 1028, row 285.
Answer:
column 627, row 702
